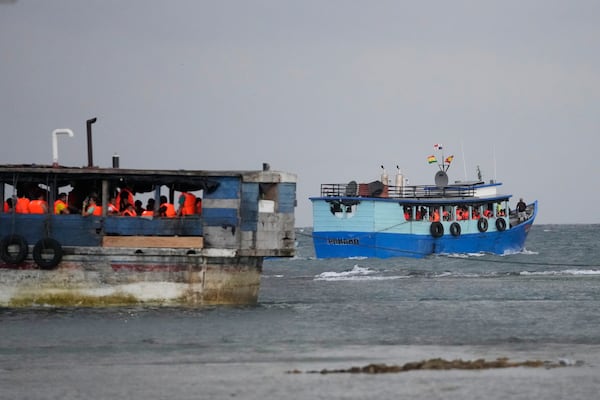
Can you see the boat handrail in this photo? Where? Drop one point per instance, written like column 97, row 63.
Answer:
column 397, row 192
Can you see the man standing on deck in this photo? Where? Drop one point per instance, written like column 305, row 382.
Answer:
column 521, row 207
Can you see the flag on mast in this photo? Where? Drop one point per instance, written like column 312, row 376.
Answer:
column 431, row 159
column 438, row 146
column 449, row 159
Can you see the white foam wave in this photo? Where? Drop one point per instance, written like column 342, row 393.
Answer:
column 563, row 272
column 355, row 271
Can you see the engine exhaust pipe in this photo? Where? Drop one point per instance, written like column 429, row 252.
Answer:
column 89, row 123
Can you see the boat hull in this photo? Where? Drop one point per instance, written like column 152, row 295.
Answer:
column 117, row 277
column 344, row 244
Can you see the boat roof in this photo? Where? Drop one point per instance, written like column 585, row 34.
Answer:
column 144, row 179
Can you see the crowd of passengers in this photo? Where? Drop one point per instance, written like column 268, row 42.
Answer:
column 462, row 213
column 34, row 201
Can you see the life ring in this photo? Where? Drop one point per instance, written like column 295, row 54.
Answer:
column 455, row 229
column 42, row 247
column 11, row 257
column 482, row 224
column 500, row 224
column 436, row 229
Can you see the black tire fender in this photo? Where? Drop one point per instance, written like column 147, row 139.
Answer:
column 455, row 229
column 43, row 246
column 436, row 229
column 482, row 224
column 500, row 224
column 13, row 240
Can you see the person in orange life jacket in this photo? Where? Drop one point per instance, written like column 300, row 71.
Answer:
column 166, row 209
column 8, row 205
column 187, row 204
column 39, row 205
column 149, row 211
column 60, row 205
column 459, row 214
column 124, row 197
column 435, row 217
column 112, row 208
column 90, row 207
column 138, row 207
column 129, row 211
column 475, row 213
column 22, row 206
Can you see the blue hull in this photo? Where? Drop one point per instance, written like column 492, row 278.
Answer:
column 384, row 245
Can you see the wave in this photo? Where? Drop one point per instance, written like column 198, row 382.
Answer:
column 586, row 272
column 357, row 273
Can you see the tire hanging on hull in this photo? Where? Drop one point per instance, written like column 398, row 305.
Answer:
column 482, row 224
column 41, row 249
column 500, row 224
column 436, row 229
column 455, row 229
column 13, row 257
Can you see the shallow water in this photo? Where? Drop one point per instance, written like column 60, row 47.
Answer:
column 325, row 314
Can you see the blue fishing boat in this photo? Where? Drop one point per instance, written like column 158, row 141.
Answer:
column 377, row 219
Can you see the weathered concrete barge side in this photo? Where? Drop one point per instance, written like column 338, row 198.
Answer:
column 214, row 257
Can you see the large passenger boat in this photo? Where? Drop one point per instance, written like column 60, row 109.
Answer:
column 213, row 255
column 377, row 219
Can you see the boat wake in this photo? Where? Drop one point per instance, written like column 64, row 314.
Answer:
column 357, row 273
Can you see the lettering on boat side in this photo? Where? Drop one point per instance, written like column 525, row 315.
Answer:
column 343, row 241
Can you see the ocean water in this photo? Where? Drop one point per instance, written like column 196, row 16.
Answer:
column 541, row 304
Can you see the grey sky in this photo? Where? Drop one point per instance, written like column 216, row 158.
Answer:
column 329, row 90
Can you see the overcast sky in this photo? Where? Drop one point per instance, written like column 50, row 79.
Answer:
column 329, row 90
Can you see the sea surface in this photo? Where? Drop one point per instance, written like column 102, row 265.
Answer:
column 541, row 304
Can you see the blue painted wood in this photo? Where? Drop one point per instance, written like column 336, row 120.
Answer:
column 287, row 198
column 220, row 217
column 180, row 226
column 229, row 188
column 76, row 230
column 249, row 207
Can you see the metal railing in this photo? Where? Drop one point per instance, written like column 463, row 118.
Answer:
column 376, row 189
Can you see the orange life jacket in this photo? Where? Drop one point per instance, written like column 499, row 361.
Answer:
column 148, row 213
column 170, row 210
column 57, row 206
column 189, row 204
column 37, row 206
column 6, row 207
column 129, row 213
column 97, row 210
column 22, row 206
column 124, row 192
